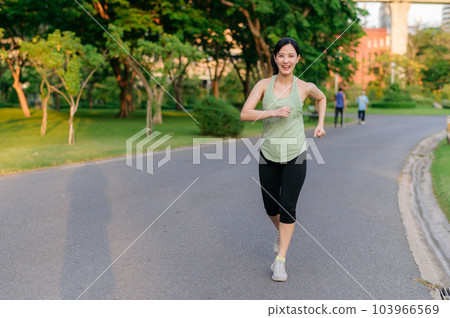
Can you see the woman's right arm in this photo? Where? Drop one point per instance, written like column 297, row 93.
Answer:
column 249, row 113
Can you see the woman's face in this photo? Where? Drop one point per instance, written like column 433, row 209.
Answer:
column 286, row 59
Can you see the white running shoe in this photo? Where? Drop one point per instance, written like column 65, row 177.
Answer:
column 279, row 271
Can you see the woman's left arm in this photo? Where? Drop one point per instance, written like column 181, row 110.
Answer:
column 317, row 94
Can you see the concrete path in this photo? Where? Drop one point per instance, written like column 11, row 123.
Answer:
column 61, row 228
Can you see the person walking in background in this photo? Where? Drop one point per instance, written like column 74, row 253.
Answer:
column 339, row 106
column 282, row 166
column 363, row 103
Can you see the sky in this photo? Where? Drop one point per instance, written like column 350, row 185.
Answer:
column 425, row 14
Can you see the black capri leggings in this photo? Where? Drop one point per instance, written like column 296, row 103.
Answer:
column 281, row 184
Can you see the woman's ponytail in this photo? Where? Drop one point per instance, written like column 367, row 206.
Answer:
column 274, row 65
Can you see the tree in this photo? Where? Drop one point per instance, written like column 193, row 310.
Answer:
column 138, row 19
column 381, row 68
column 40, row 57
column 314, row 24
column 175, row 57
column 436, row 75
column 168, row 57
column 252, row 11
column 22, row 20
column 430, row 48
column 64, row 55
column 215, row 41
column 15, row 61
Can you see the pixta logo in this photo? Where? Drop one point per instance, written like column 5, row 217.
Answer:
column 144, row 147
column 253, row 149
column 150, row 143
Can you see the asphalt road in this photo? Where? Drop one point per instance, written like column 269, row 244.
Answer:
column 60, row 228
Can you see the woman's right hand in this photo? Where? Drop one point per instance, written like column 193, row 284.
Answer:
column 283, row 111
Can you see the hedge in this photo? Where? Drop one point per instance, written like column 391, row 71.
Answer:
column 393, row 104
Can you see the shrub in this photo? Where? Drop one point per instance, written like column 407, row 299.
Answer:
column 218, row 118
column 374, row 91
column 395, row 94
column 422, row 101
column 445, row 103
column 393, row 104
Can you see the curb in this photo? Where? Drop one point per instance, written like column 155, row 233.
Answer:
column 426, row 226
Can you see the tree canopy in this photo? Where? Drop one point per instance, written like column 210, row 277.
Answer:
column 237, row 34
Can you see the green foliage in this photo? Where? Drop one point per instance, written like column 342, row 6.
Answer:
column 445, row 103
column 446, row 91
column 431, row 48
column 395, row 94
column 437, row 74
column 63, row 54
column 218, row 118
column 172, row 52
column 314, row 24
column 393, row 104
column 374, row 92
column 422, row 101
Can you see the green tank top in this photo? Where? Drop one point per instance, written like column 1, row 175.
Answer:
column 284, row 137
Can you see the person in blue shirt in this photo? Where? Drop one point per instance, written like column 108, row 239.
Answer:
column 363, row 103
column 339, row 106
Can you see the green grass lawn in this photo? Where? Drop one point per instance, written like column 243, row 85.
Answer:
column 419, row 110
column 98, row 134
column 440, row 171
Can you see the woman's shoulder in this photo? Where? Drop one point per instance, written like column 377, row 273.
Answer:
column 305, row 86
column 264, row 82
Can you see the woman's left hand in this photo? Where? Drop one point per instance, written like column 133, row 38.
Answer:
column 319, row 132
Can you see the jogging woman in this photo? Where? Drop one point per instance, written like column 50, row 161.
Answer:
column 282, row 165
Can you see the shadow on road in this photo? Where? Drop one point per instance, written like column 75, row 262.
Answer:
column 87, row 252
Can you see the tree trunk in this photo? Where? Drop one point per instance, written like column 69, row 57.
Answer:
column 18, row 87
column 245, row 82
column 45, row 98
column 36, row 101
column 139, row 96
column 157, row 117
column 123, row 102
column 215, row 87
column 89, row 93
column 3, row 91
column 22, row 99
column 57, row 103
column 262, row 49
column 122, row 81
column 44, row 115
column 247, row 87
column 178, row 92
column 147, row 90
column 130, row 98
column 3, row 95
column 149, row 122
column 71, row 131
